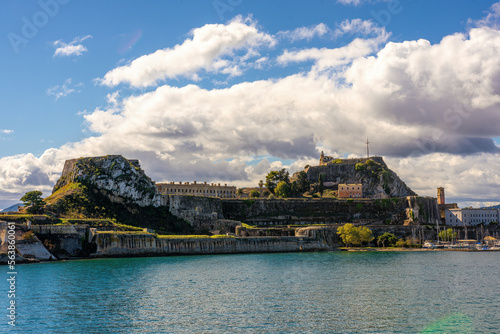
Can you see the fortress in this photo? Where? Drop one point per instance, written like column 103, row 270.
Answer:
column 375, row 179
column 93, row 190
column 194, row 188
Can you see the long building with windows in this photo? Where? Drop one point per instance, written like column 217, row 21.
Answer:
column 195, row 188
column 471, row 217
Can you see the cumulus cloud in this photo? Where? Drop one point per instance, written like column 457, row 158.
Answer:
column 306, row 33
column 469, row 180
column 202, row 52
column 431, row 109
column 6, row 131
column 65, row 89
column 72, row 48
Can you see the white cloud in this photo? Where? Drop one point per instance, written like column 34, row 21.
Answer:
column 358, row 2
column 467, row 179
column 6, row 131
column 63, row 90
column 349, row 2
column 202, row 52
column 306, row 33
column 326, row 58
column 432, row 109
column 364, row 27
column 492, row 18
column 72, row 48
column 331, row 58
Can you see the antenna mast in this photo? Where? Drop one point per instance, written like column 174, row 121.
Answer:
column 367, row 148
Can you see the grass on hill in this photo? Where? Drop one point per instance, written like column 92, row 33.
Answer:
column 76, row 201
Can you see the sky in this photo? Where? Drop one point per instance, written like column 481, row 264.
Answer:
column 228, row 90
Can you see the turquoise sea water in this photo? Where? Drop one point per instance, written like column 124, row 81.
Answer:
column 336, row 292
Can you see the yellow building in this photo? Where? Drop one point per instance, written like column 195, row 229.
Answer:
column 354, row 190
column 194, row 188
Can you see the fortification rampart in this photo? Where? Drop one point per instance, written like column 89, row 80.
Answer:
column 373, row 173
column 148, row 245
column 422, row 210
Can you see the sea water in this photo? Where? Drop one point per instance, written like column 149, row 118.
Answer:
column 329, row 292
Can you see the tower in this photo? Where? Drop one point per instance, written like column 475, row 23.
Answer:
column 367, row 148
column 440, row 196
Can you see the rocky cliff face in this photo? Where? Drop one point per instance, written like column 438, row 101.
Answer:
column 119, row 179
column 378, row 180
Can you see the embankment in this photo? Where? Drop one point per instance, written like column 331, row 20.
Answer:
column 112, row 244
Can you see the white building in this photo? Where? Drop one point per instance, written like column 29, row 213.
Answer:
column 471, row 217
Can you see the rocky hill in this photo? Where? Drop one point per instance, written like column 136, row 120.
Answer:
column 121, row 180
column 111, row 187
column 378, row 180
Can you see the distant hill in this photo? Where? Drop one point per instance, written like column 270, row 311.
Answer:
column 12, row 207
column 493, row 207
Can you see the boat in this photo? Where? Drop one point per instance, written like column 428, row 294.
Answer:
column 481, row 247
column 429, row 245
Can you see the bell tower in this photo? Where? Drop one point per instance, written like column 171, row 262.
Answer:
column 440, row 196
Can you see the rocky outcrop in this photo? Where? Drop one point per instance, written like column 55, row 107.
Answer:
column 33, row 249
column 378, row 180
column 27, row 245
column 68, row 240
column 121, row 180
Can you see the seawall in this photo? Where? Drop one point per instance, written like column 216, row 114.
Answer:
column 111, row 244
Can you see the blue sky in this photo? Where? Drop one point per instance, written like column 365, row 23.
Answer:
column 228, row 90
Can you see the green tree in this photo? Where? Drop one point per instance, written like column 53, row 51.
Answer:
column 254, row 193
column 282, row 190
column 365, row 235
column 33, row 200
column 239, row 192
column 360, row 167
column 294, row 189
column 274, row 177
column 352, row 235
column 387, row 239
column 303, row 183
column 447, row 235
column 321, row 187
